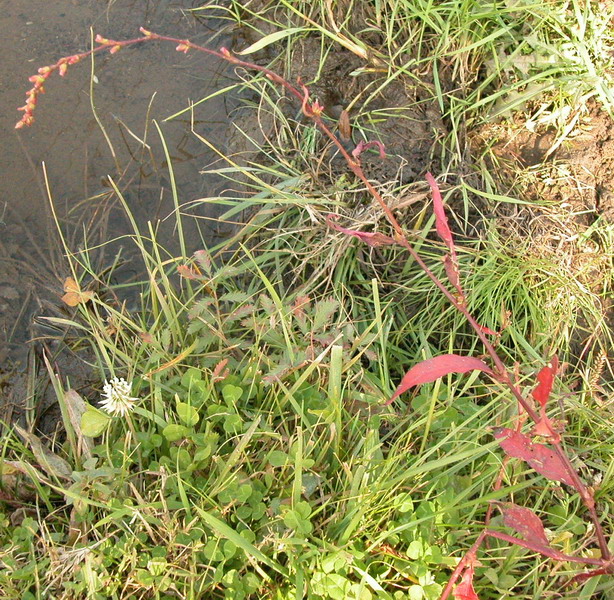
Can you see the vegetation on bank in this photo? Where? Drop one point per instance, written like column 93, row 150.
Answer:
column 246, row 448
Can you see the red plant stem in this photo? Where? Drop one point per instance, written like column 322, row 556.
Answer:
column 607, row 570
column 470, row 557
column 503, row 376
column 314, row 111
column 551, row 553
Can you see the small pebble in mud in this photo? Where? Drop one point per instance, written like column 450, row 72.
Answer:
column 9, row 293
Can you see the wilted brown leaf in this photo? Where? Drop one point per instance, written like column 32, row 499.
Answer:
column 74, row 296
column 345, row 130
column 51, row 463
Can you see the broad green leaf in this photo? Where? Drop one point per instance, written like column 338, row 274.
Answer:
column 94, row 422
column 232, row 393
column 174, row 432
column 190, row 376
column 277, row 458
column 188, row 415
column 183, row 458
column 233, row 424
column 415, row 592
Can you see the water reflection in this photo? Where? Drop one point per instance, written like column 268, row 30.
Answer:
column 89, row 128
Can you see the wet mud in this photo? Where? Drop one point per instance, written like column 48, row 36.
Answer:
column 55, row 173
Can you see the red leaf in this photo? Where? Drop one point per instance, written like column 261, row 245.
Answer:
column 525, row 522
column 545, row 380
column 545, row 550
column 441, row 221
column 546, row 428
column 362, row 146
column 434, row 368
column 464, row 590
column 487, row 330
column 541, row 458
column 373, row 239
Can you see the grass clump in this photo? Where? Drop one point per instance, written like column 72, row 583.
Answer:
column 257, row 461
column 260, row 458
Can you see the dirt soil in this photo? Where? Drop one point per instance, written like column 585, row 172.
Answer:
column 573, row 182
column 403, row 117
column 578, row 175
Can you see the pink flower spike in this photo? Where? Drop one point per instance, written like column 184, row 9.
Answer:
column 115, row 49
column 145, row 32
column 62, row 69
column 183, row 47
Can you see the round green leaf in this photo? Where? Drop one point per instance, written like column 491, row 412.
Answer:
column 277, row 458
column 94, row 422
column 187, row 414
column 174, row 433
column 232, row 393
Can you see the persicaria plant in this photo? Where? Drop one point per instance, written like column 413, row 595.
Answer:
column 540, row 448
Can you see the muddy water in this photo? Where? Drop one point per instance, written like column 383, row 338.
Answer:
column 129, row 91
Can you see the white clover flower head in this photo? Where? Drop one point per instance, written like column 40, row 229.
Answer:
column 116, row 397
